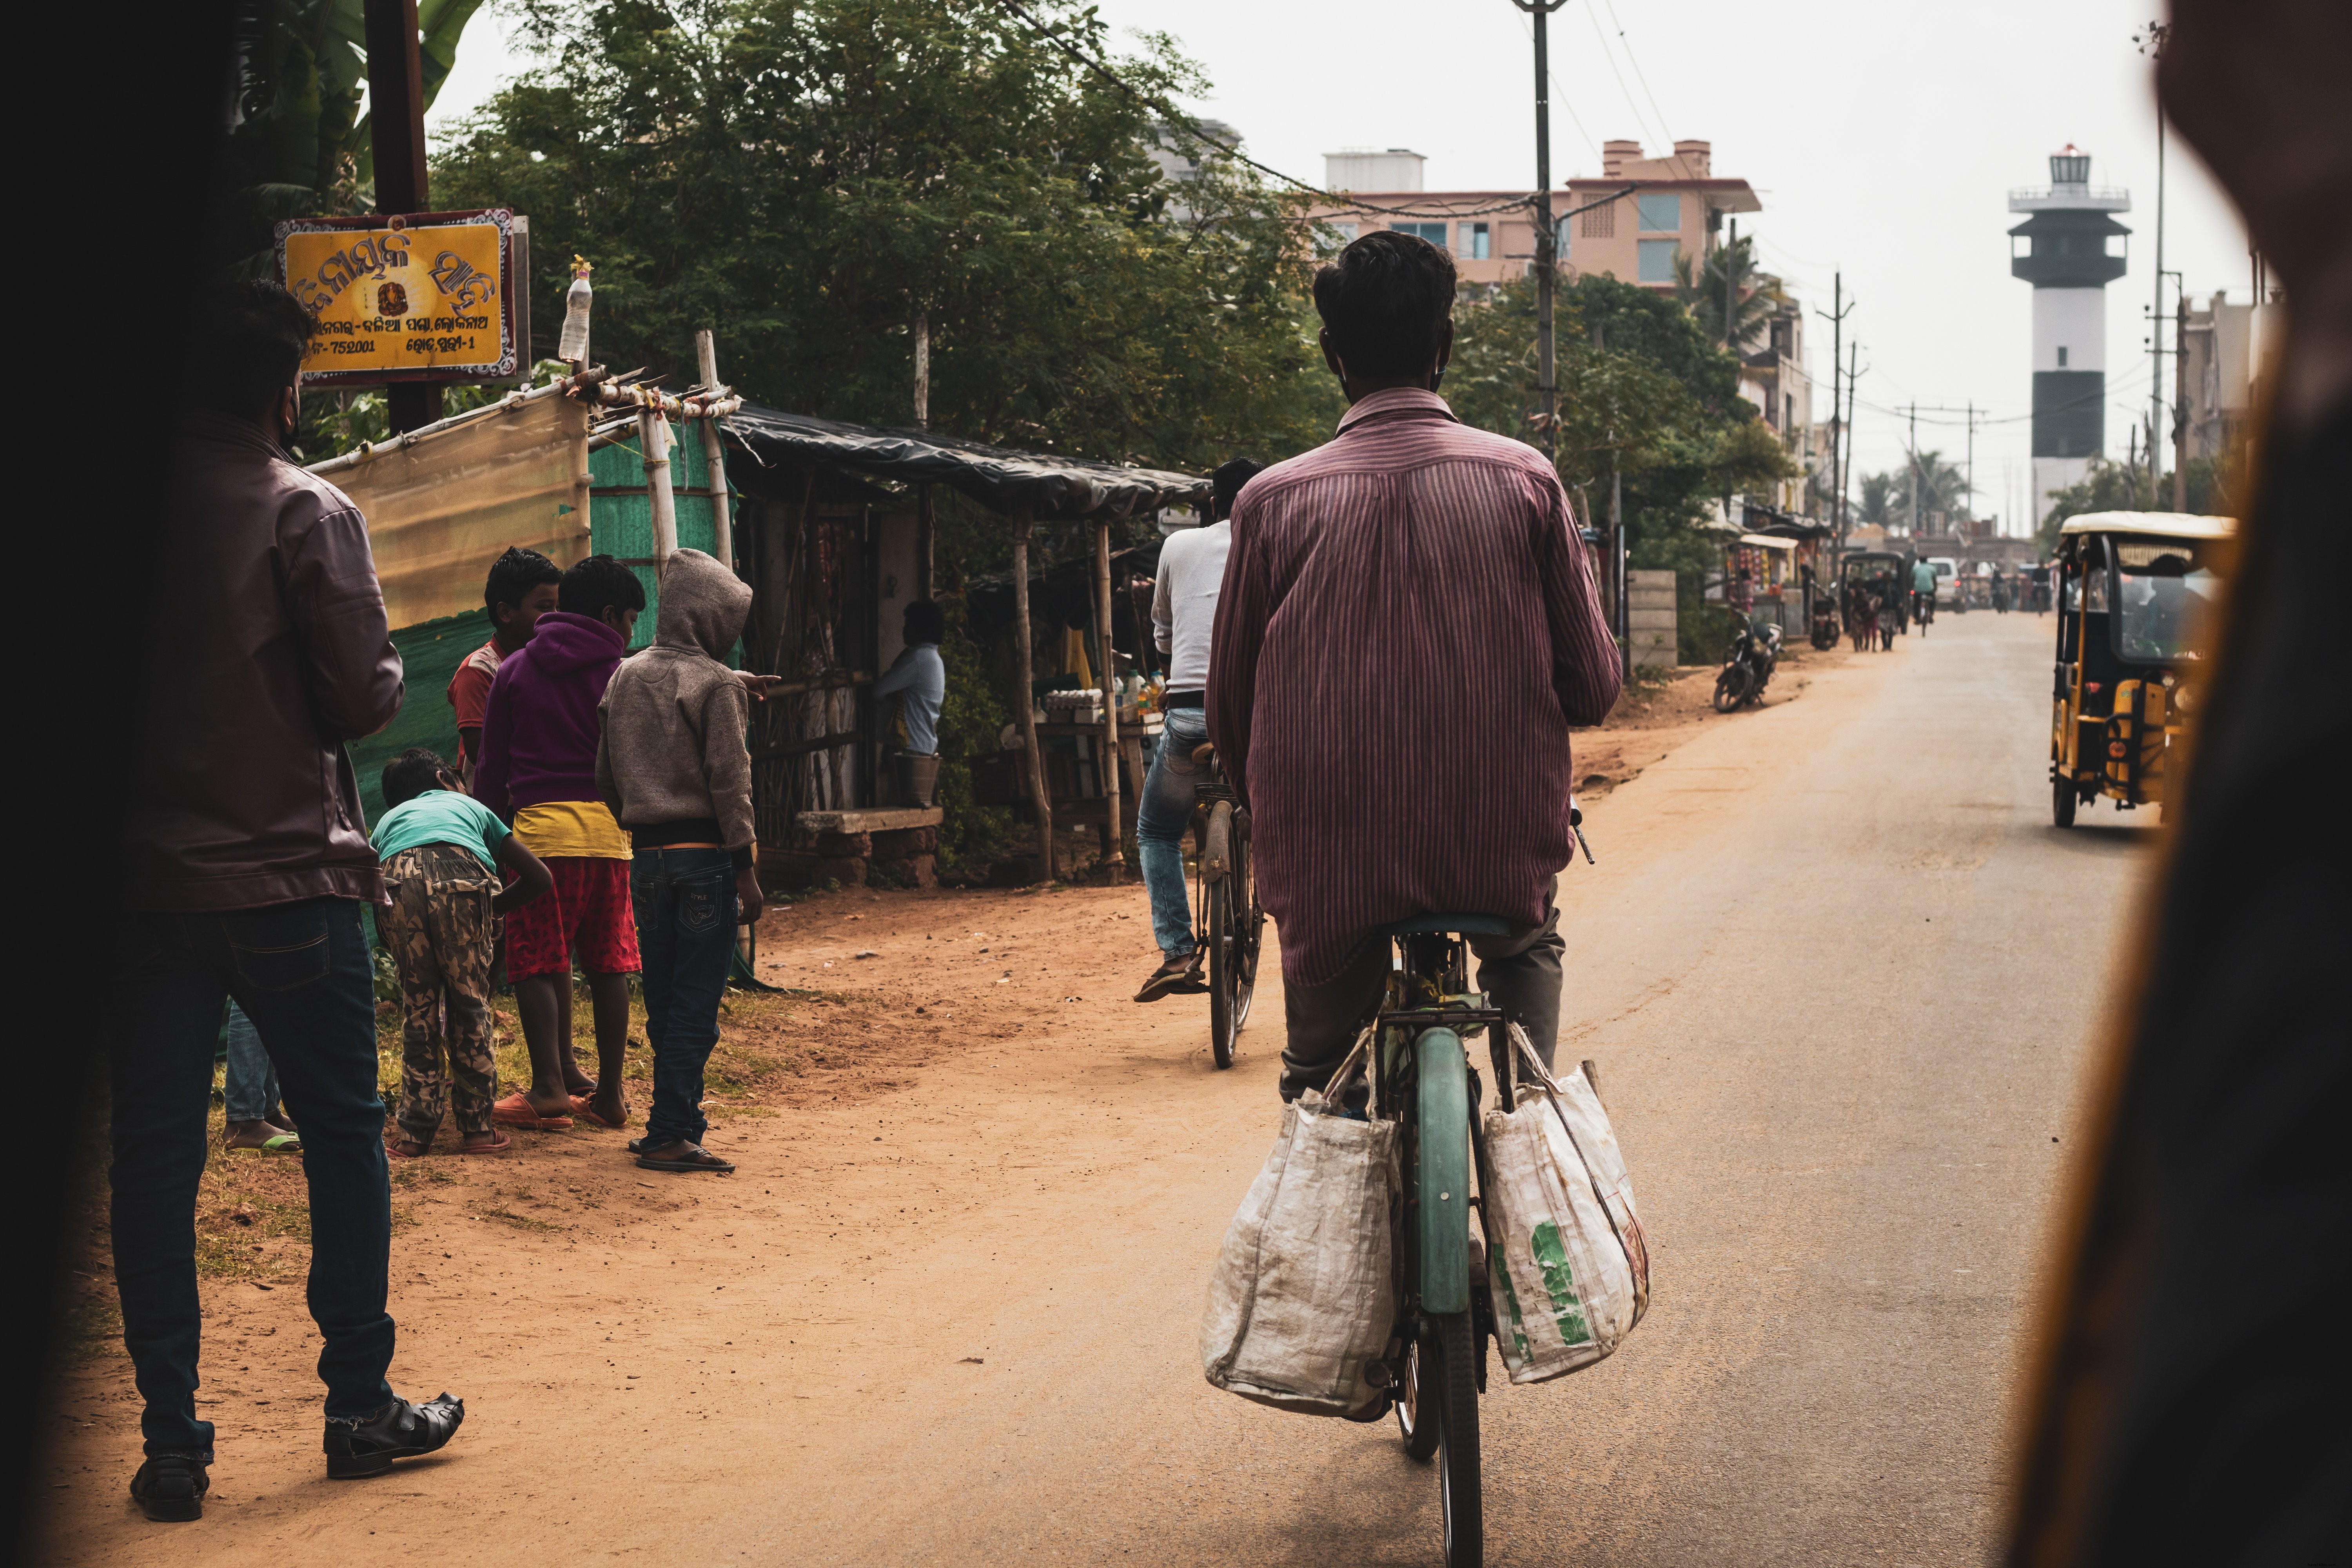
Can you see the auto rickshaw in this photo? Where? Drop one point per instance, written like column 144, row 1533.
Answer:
column 2136, row 589
column 1860, row 567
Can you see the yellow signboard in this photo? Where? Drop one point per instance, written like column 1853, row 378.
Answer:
column 427, row 296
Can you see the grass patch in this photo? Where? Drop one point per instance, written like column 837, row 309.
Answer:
column 94, row 1328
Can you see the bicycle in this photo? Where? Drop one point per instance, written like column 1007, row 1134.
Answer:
column 1421, row 1076
column 1231, row 919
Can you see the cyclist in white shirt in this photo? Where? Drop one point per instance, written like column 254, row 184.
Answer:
column 1183, row 609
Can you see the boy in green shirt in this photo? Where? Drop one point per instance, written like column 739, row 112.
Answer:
column 441, row 848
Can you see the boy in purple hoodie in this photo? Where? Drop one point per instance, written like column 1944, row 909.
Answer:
column 538, row 769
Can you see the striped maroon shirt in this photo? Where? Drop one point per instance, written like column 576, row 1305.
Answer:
column 1406, row 631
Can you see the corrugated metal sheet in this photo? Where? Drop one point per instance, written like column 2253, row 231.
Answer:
column 621, row 511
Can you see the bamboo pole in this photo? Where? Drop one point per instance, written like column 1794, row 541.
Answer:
column 1040, row 796
column 1116, row 861
column 714, row 457
column 653, row 436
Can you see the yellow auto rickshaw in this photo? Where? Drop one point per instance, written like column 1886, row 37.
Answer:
column 2136, row 598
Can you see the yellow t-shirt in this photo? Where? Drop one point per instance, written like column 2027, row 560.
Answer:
column 580, row 829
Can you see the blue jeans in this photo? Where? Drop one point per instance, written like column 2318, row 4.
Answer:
column 686, row 909
column 250, row 1087
column 301, row 971
column 1161, row 818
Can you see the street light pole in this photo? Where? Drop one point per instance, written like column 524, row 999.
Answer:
column 1546, row 242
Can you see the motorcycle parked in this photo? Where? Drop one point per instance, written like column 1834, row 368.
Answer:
column 1825, row 623
column 1747, row 667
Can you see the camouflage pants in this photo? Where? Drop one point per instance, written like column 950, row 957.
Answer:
column 441, row 933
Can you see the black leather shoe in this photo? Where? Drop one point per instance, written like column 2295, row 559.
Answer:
column 367, row 1447
column 170, row 1488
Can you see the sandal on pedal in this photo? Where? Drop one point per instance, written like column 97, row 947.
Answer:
column 1180, row 975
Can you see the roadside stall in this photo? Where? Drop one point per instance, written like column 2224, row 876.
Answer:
column 583, row 466
column 835, row 536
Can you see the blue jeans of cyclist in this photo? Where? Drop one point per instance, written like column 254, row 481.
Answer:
column 1161, row 819
column 685, row 911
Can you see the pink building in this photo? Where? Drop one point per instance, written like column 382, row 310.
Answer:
column 1662, row 205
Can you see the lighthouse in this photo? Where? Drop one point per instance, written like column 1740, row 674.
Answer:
column 2070, row 250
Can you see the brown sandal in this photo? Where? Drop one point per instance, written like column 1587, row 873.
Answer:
column 689, row 1157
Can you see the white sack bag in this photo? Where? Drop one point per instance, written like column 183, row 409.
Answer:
column 1303, row 1299
column 1567, row 1263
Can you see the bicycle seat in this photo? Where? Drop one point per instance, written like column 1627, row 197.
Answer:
column 1464, row 925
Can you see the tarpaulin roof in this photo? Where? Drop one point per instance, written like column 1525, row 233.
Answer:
column 1051, row 488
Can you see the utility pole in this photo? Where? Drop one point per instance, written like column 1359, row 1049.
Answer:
column 1845, row 475
column 396, row 138
column 1622, row 620
column 2181, row 405
column 1914, row 469
column 1731, row 296
column 1972, row 460
column 1546, row 242
column 1838, row 442
column 2155, row 37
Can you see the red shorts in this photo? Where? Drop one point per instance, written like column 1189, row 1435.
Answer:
column 588, row 909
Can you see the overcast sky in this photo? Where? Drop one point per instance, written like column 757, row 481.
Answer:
column 1883, row 140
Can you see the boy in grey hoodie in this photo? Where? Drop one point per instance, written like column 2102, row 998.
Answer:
column 673, row 765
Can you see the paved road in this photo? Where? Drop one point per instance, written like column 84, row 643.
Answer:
column 1839, row 974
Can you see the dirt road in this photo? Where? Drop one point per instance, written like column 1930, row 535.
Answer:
column 1838, row 972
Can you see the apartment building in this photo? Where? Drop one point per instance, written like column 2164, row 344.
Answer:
column 1640, row 212
column 2227, row 351
column 1629, row 221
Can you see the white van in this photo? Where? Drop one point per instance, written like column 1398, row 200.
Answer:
column 1947, row 578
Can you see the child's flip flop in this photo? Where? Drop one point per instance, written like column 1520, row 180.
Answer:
column 581, row 1108
column 515, row 1111
column 500, row 1147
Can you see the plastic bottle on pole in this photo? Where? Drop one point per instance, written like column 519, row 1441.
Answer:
column 576, row 300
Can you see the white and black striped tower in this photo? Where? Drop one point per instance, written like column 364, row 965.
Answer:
column 2070, row 250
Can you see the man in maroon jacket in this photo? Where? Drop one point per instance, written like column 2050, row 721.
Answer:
column 1406, row 632
column 248, row 860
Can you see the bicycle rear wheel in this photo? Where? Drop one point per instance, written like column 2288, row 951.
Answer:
column 1225, row 971
column 1455, row 1340
column 1421, row 1391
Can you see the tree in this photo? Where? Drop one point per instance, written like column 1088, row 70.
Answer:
column 297, row 143
column 1943, row 488
column 2124, row 487
column 1757, row 295
column 1651, row 401
column 811, row 178
column 1880, row 505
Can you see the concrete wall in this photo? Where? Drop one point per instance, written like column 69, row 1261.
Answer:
column 1650, row 618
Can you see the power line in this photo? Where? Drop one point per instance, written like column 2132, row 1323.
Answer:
column 1562, row 99
column 1194, row 127
column 1639, row 75
column 1609, row 55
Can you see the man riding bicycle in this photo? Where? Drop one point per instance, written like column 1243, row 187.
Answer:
column 1407, row 630
column 1183, row 616
column 1923, row 591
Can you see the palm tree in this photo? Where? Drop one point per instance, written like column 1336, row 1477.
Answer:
column 1886, row 497
column 1759, row 294
column 1943, row 488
